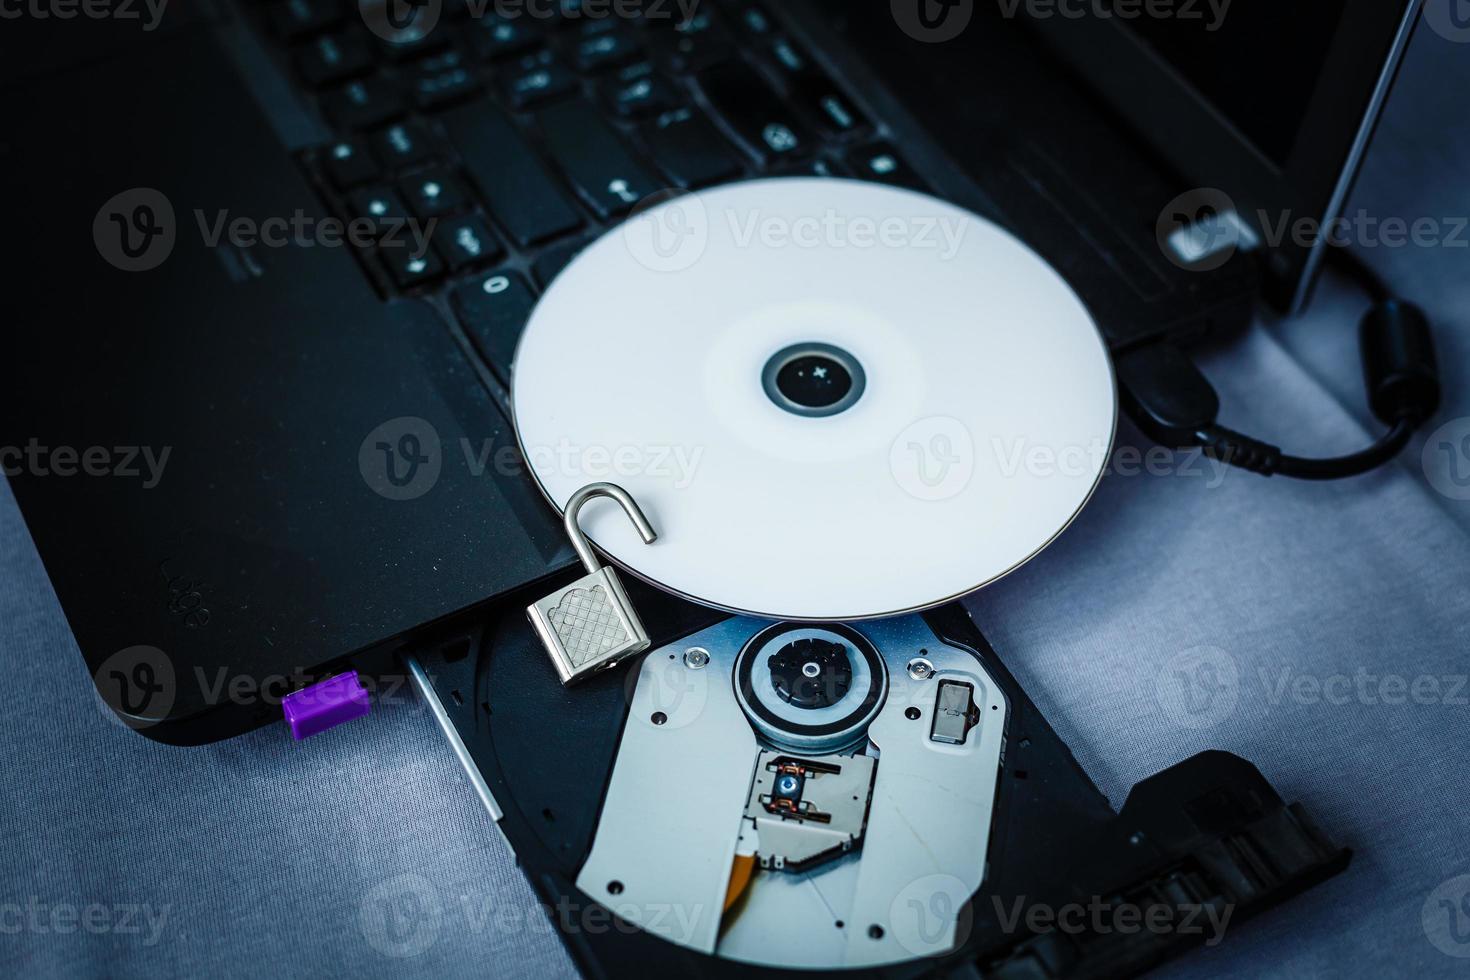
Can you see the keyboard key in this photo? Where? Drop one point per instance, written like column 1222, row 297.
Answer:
column 417, row 37
column 293, row 19
column 813, row 91
column 409, row 269
column 493, row 37
column 493, row 310
column 521, row 194
column 747, row 103
column 789, row 57
column 595, row 159
column 693, row 45
column 689, row 150
column 606, row 48
column 442, row 79
column 434, row 193
column 363, row 104
column 333, row 58
column 383, row 207
column 833, row 112
column 536, row 78
column 640, row 91
column 551, row 264
column 349, row 163
column 881, row 162
column 466, row 241
column 753, row 19
column 402, row 145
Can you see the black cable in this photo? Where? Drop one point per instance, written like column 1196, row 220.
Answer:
column 1176, row 406
column 1341, row 467
column 1239, row 450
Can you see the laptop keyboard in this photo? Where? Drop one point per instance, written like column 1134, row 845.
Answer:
column 525, row 138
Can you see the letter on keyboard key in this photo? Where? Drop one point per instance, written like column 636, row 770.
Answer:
column 493, row 310
column 465, row 241
column 433, row 193
column 604, row 49
column 638, row 91
column 362, row 104
column 409, row 268
column 763, row 121
column 535, row 78
column 332, row 58
column 349, row 163
column 522, row 195
column 595, row 159
column 881, row 162
column 401, row 145
column 380, row 205
column 493, row 36
column 814, row 91
column 442, row 79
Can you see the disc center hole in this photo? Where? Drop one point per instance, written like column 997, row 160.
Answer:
column 814, row 380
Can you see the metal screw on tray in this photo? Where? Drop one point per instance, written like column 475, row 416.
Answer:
column 590, row 625
column 920, row 669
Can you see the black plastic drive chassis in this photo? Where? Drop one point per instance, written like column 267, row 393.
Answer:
column 1073, row 889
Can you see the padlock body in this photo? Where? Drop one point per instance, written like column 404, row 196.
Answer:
column 588, row 626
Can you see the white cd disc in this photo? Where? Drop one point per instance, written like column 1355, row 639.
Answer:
column 834, row 400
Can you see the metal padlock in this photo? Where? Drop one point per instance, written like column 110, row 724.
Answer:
column 590, row 625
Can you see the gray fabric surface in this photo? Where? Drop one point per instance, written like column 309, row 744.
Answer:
column 120, row 857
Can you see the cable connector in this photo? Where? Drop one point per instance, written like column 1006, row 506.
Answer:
column 1175, row 405
column 1166, row 395
column 1235, row 449
column 1400, row 369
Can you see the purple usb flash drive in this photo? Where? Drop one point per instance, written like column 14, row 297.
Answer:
column 325, row 705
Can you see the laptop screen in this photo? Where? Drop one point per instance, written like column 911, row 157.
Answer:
column 1272, row 102
column 1222, row 58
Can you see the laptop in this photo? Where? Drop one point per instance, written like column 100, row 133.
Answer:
column 278, row 255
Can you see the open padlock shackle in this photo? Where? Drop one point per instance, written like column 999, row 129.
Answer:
column 615, row 492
